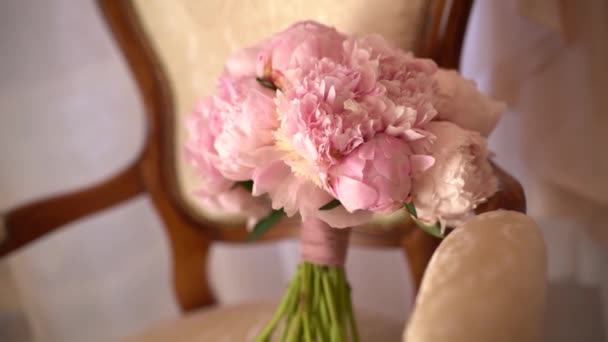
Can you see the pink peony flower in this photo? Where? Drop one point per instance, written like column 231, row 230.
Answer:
column 377, row 176
column 333, row 106
column 408, row 81
column 246, row 138
column 299, row 44
column 460, row 179
column 205, row 126
column 460, row 102
column 298, row 195
column 243, row 63
column 321, row 120
column 410, row 84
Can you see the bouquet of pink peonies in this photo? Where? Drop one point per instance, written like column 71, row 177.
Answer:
column 335, row 128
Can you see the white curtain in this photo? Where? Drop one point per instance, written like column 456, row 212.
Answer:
column 547, row 59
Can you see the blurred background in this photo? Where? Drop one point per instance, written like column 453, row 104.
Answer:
column 70, row 115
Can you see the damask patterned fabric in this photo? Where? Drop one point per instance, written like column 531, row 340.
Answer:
column 193, row 39
column 485, row 282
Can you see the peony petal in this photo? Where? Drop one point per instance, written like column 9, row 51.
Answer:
column 339, row 217
column 386, row 167
column 243, row 63
column 395, row 131
column 311, row 198
column 462, row 103
column 355, row 195
column 366, row 152
column 268, row 179
column 349, row 167
column 413, row 134
column 421, row 162
column 287, row 195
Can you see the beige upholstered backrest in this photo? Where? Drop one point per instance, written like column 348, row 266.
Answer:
column 193, row 38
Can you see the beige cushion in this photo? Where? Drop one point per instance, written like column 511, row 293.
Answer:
column 240, row 323
column 485, row 282
column 193, row 38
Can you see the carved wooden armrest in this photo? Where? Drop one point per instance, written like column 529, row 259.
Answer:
column 29, row 222
column 510, row 195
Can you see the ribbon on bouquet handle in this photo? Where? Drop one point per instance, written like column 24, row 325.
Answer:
column 323, row 245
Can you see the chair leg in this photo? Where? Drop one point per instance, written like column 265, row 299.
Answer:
column 419, row 247
column 189, row 254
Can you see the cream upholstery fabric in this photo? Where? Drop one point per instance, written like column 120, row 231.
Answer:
column 486, row 282
column 240, row 323
column 193, row 38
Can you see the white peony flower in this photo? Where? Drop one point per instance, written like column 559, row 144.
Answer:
column 461, row 103
column 461, row 178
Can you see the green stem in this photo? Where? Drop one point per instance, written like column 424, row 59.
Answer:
column 354, row 333
column 323, row 310
column 317, row 307
column 337, row 292
column 306, row 326
column 331, row 304
column 288, row 319
column 284, row 305
column 294, row 328
column 306, row 301
column 319, row 313
column 292, row 305
column 314, row 334
column 340, row 291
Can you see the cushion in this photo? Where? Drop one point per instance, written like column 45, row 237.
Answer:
column 239, row 323
column 485, row 282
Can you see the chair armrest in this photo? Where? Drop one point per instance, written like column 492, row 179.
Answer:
column 22, row 225
column 485, row 282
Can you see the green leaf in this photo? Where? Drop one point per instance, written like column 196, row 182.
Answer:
column 266, row 83
column 266, row 223
column 411, row 209
column 331, row 204
column 434, row 230
column 248, row 185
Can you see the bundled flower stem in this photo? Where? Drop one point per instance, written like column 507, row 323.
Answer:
column 317, row 305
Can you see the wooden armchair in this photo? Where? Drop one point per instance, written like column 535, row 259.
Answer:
column 175, row 50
